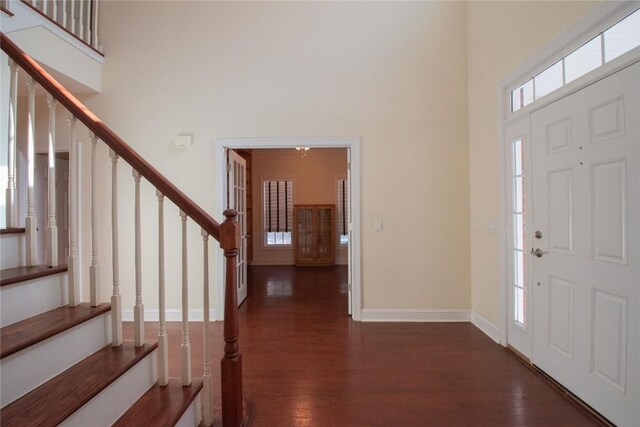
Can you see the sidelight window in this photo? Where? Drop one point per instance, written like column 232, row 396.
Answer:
column 519, row 260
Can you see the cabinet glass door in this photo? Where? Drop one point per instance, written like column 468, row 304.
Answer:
column 324, row 245
column 304, row 222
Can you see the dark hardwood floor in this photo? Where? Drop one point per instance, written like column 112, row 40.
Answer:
column 307, row 364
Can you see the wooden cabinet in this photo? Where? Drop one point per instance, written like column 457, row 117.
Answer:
column 314, row 234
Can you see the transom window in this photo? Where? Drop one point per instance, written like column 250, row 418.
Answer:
column 609, row 44
column 277, row 212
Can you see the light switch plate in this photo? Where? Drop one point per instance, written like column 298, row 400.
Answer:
column 493, row 227
column 377, row 225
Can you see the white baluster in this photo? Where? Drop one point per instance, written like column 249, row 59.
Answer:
column 64, row 13
column 81, row 33
column 11, row 205
column 163, row 346
column 94, row 27
column 30, row 221
column 116, row 299
column 206, row 374
column 55, row 10
column 94, row 278
column 52, row 228
column 73, row 263
column 73, row 16
column 186, row 345
column 45, row 6
column 138, row 309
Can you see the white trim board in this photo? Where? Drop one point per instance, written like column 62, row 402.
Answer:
column 171, row 315
column 414, row 315
column 489, row 329
column 350, row 142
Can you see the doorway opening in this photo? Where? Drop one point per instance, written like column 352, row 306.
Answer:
column 300, row 205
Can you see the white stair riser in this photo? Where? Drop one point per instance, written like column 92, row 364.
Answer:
column 26, row 299
column 25, row 370
column 11, row 250
column 193, row 415
column 109, row 405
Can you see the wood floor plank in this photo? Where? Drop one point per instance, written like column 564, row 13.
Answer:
column 9, row 276
column 161, row 406
column 305, row 362
column 20, row 335
column 55, row 400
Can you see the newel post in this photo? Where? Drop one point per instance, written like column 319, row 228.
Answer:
column 231, row 364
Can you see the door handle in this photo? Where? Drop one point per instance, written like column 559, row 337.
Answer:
column 538, row 252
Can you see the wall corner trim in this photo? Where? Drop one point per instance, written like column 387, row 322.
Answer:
column 489, row 329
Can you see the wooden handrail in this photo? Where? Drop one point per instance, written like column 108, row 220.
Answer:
column 95, row 125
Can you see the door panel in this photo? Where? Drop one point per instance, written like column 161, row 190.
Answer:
column 237, row 199
column 586, row 204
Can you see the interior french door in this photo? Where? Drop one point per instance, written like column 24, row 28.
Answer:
column 237, row 199
column 586, row 257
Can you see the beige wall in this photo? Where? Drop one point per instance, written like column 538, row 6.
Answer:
column 392, row 73
column 314, row 182
column 500, row 36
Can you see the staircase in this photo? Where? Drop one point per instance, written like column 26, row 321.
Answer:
column 63, row 359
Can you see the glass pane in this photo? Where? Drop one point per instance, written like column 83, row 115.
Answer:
column 622, row 37
column 517, row 157
column 519, row 305
column 522, row 96
column 584, row 59
column 518, row 231
column 549, row 80
column 517, row 188
column 518, row 265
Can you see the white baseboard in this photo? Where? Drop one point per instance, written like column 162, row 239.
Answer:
column 414, row 315
column 171, row 315
column 491, row 330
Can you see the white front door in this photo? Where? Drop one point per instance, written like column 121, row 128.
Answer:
column 586, row 206
column 237, row 199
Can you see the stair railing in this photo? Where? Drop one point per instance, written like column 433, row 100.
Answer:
column 77, row 17
column 227, row 234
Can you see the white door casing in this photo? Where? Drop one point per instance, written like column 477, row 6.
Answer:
column 353, row 145
column 237, row 199
column 349, row 243
column 586, row 204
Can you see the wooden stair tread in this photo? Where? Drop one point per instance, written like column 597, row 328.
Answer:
column 161, row 406
column 12, row 230
column 55, row 400
column 20, row 335
column 9, row 276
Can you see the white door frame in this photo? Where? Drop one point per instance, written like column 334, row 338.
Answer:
column 590, row 26
column 352, row 143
